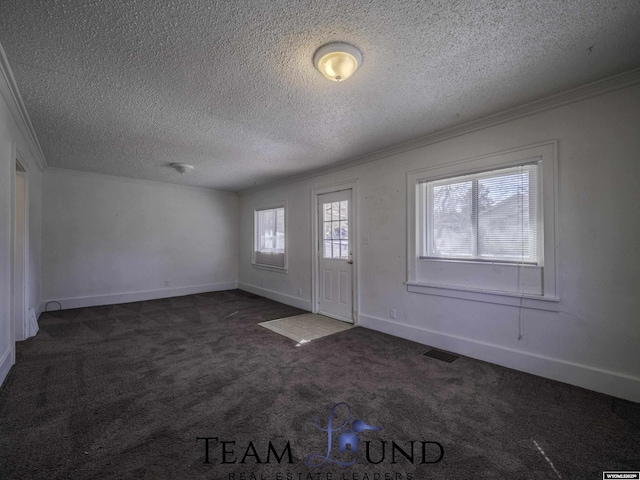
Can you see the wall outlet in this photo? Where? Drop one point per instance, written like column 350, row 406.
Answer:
column 365, row 239
column 299, row 292
column 392, row 313
column 166, row 283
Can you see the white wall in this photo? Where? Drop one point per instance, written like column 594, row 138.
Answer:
column 592, row 341
column 14, row 142
column 113, row 240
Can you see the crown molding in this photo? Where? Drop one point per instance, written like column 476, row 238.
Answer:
column 589, row 90
column 11, row 94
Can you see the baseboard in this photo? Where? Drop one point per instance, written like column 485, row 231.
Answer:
column 112, row 299
column 599, row 380
column 6, row 362
column 276, row 296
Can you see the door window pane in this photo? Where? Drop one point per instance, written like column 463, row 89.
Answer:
column 335, row 227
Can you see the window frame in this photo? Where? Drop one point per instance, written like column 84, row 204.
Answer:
column 256, row 237
column 426, row 234
column 332, row 240
column 475, row 279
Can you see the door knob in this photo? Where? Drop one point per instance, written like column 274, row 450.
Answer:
column 350, row 262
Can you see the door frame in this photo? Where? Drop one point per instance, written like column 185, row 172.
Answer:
column 315, row 239
column 19, row 167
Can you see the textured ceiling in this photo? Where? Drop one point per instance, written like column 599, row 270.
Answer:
column 127, row 87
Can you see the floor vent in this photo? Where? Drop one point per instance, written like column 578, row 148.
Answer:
column 441, row 355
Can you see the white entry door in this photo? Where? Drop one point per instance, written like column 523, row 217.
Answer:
column 335, row 256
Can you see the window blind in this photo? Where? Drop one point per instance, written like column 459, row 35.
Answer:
column 484, row 216
column 270, row 237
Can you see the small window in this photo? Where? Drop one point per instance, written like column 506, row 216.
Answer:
column 270, row 237
column 492, row 216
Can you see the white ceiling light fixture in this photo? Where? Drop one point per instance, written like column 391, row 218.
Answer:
column 182, row 167
column 337, row 61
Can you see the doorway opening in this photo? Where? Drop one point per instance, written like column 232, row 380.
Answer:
column 19, row 285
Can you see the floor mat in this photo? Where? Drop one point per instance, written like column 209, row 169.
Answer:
column 306, row 327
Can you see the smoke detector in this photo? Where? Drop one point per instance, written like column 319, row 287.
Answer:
column 182, row 167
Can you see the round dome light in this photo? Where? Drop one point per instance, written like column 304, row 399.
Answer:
column 337, row 61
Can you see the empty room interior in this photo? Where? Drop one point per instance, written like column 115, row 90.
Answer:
column 289, row 240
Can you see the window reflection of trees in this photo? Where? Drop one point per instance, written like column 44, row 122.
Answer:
column 336, row 229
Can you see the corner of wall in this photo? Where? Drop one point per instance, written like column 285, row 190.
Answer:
column 301, row 303
column 6, row 362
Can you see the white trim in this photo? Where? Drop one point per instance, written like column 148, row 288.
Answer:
column 549, row 273
column 128, row 297
column 20, row 160
column 596, row 379
column 6, row 362
column 276, row 296
column 21, row 334
column 550, row 304
column 584, row 92
column 354, row 227
column 271, row 268
column 11, row 94
column 136, row 181
column 12, row 256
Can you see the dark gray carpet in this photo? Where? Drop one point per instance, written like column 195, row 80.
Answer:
column 122, row 392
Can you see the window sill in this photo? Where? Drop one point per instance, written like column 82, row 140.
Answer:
column 270, row 268
column 481, row 261
column 551, row 304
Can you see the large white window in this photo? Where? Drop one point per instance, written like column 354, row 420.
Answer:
column 487, row 216
column 484, row 229
column 270, row 238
